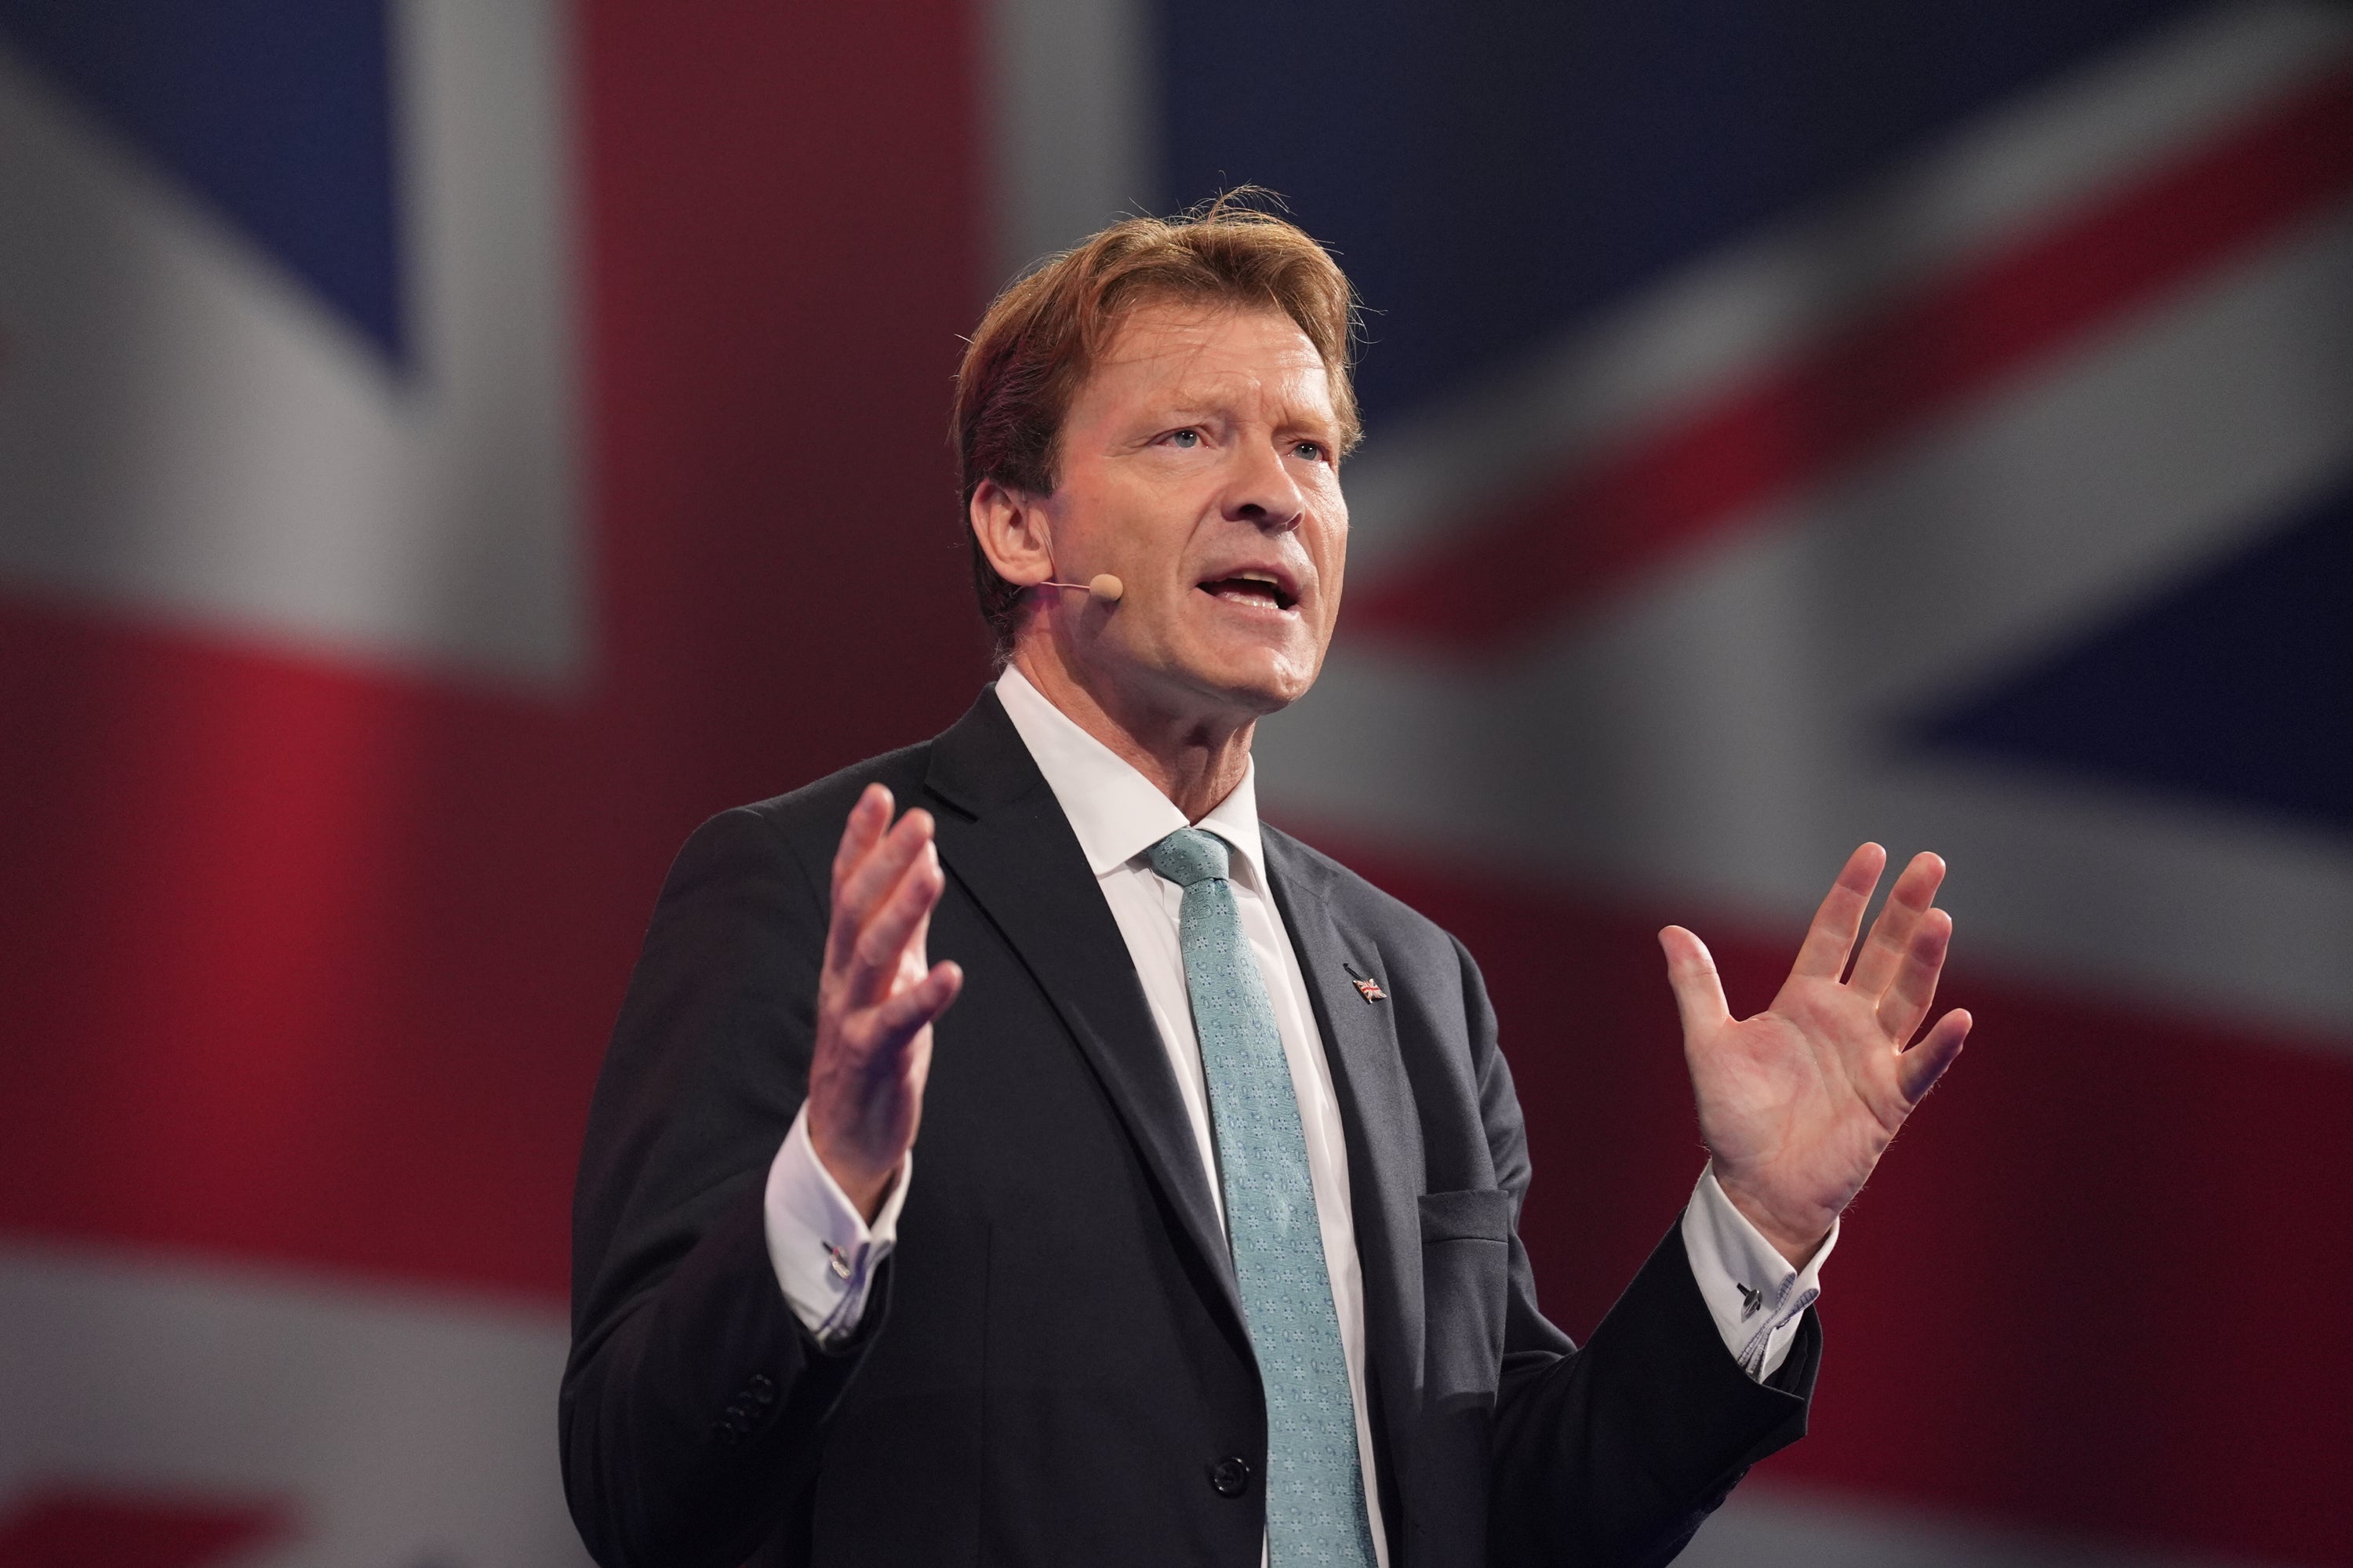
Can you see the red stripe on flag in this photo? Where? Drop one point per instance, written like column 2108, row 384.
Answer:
column 70, row 1527
column 1505, row 576
column 2096, row 1288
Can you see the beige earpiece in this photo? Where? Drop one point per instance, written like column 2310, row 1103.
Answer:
column 1103, row 587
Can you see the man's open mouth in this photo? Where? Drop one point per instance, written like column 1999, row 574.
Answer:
column 1257, row 589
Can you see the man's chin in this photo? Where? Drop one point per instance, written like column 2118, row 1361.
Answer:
column 1252, row 687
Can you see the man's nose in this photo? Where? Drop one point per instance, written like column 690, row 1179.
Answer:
column 1263, row 491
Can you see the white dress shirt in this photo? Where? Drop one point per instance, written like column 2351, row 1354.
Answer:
column 825, row 1254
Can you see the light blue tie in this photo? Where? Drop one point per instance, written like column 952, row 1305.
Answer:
column 1315, row 1490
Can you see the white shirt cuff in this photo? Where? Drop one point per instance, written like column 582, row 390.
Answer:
column 1756, row 1296
column 824, row 1252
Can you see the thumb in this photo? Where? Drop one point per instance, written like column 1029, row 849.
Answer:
column 1699, row 991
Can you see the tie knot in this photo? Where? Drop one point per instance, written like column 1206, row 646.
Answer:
column 1189, row 856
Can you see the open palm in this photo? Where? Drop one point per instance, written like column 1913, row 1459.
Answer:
column 1798, row 1103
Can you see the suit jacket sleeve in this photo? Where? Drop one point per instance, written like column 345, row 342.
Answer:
column 694, row 1396
column 1617, row 1452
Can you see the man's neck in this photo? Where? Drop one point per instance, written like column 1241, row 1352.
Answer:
column 1195, row 762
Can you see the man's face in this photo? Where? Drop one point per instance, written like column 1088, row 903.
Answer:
column 1200, row 463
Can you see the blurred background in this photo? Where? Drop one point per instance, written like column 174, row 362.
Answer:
column 448, row 448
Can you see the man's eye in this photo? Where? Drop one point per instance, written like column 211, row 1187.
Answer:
column 1311, row 450
column 1187, row 440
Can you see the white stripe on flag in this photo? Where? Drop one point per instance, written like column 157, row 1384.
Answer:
column 186, row 432
column 399, row 1427
column 1072, row 122
column 1776, row 1527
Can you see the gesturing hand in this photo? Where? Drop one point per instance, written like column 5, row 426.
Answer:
column 876, row 1000
column 1798, row 1103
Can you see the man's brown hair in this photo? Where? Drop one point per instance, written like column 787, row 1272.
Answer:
column 1042, row 335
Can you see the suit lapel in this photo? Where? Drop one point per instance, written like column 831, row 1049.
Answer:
column 1383, row 1132
column 1005, row 838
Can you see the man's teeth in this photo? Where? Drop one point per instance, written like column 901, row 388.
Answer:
column 1254, row 589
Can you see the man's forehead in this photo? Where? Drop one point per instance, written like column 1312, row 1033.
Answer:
column 1216, row 351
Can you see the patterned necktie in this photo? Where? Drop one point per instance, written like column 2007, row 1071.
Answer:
column 1315, row 1488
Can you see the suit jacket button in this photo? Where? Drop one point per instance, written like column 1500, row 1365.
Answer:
column 1230, row 1477
column 762, row 1389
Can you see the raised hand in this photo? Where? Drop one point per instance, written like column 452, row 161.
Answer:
column 1798, row 1103
column 876, row 1000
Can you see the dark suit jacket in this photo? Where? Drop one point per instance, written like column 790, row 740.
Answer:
column 1053, row 1366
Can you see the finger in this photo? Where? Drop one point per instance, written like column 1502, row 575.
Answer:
column 1699, row 990
column 869, row 816
column 1917, row 1070
column 1907, row 998
column 913, row 958
column 879, row 956
column 873, row 881
column 1891, row 934
column 898, row 1019
column 1830, row 938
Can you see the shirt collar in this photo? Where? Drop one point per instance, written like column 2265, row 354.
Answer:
column 1117, row 812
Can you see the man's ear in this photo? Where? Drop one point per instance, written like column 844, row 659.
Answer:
column 1013, row 531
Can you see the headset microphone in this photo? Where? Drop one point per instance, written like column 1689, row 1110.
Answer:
column 1103, row 587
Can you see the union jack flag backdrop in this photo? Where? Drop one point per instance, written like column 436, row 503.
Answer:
column 448, row 449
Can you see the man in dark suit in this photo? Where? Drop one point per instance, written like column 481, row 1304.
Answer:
column 1212, row 1257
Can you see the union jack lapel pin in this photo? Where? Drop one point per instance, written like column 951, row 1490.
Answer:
column 1366, row 987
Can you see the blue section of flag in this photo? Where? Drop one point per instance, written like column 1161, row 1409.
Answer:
column 1489, row 172
column 279, row 111
column 2236, row 686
